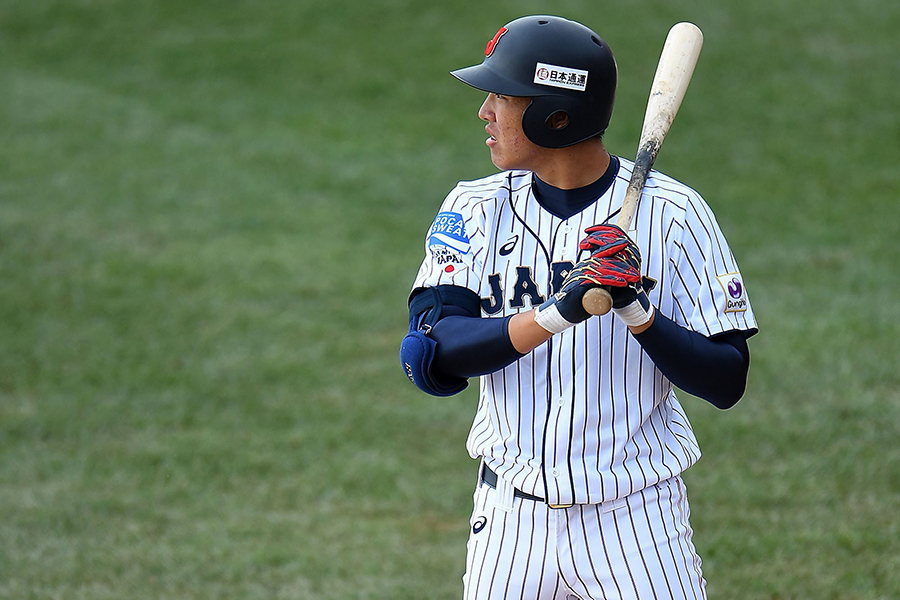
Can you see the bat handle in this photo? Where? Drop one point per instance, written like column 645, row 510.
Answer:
column 597, row 301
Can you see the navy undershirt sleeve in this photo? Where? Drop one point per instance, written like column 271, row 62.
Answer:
column 714, row 369
column 471, row 346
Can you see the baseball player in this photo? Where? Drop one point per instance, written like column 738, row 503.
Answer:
column 580, row 436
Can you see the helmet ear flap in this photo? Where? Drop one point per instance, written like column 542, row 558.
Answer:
column 541, row 125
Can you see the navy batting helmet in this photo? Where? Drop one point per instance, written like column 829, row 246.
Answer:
column 561, row 65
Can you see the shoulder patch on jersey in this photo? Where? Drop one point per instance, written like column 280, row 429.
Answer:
column 735, row 292
column 449, row 230
column 447, row 258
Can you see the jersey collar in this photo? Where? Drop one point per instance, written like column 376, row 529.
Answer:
column 565, row 203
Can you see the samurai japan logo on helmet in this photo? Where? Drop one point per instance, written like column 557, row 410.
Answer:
column 561, row 65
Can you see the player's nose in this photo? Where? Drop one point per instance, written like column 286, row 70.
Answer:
column 486, row 113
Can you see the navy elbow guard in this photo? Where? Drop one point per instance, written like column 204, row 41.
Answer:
column 417, row 348
column 417, row 354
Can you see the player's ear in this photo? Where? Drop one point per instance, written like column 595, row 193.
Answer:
column 558, row 120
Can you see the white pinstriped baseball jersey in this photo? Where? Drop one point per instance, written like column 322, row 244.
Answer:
column 586, row 417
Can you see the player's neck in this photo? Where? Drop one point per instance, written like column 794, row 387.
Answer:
column 566, row 203
column 576, row 166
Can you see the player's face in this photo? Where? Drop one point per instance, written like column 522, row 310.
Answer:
column 510, row 148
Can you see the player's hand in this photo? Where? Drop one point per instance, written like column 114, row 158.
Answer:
column 616, row 272
column 629, row 299
column 564, row 309
column 605, row 240
column 619, row 258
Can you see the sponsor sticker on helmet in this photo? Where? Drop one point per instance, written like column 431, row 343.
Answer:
column 735, row 293
column 561, row 77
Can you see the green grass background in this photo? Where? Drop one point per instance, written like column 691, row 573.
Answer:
column 210, row 216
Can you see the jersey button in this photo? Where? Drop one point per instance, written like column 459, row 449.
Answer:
column 555, row 472
column 561, row 401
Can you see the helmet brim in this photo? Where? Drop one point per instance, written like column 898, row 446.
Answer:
column 482, row 77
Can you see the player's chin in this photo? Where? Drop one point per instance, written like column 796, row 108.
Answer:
column 510, row 157
column 500, row 160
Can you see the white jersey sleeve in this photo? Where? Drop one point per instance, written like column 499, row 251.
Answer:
column 455, row 242
column 709, row 292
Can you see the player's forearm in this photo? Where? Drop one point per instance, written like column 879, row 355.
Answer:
column 473, row 346
column 642, row 328
column 713, row 369
column 469, row 346
column 525, row 334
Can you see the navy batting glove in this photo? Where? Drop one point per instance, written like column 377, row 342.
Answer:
column 564, row 308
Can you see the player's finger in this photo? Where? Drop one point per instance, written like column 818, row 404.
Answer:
column 604, row 240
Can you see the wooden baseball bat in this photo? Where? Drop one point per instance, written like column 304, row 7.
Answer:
column 673, row 74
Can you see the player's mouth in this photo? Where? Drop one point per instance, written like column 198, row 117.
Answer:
column 491, row 141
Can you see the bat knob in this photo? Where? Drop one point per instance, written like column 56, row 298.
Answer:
column 597, row 301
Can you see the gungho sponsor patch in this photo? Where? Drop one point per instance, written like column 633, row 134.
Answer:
column 735, row 292
column 561, row 77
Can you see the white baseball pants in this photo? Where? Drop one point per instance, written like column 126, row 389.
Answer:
column 638, row 547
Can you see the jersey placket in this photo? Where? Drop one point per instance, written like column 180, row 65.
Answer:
column 561, row 396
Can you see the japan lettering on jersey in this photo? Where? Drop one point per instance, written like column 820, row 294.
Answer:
column 585, row 417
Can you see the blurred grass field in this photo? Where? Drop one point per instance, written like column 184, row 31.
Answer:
column 210, row 217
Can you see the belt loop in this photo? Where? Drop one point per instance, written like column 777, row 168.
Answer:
column 505, row 494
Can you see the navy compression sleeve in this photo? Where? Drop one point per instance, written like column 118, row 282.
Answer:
column 714, row 369
column 472, row 346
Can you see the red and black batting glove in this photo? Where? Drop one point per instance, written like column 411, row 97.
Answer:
column 618, row 271
column 564, row 308
column 619, row 266
column 605, row 240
